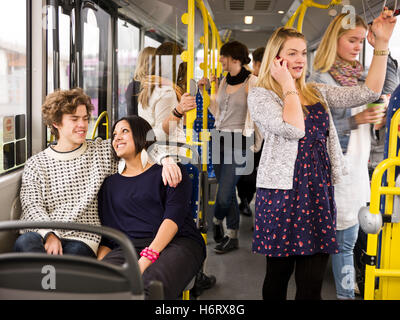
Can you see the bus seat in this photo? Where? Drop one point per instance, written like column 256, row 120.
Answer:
column 16, row 209
column 27, row 276
column 8, row 238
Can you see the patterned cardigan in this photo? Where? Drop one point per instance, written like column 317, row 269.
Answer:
column 279, row 153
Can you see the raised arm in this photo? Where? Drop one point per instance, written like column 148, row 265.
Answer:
column 292, row 110
column 267, row 113
column 381, row 30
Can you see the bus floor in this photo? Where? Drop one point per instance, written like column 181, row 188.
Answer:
column 240, row 273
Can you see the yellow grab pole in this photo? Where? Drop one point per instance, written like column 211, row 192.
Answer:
column 102, row 115
column 376, row 191
column 219, row 45
column 292, row 19
column 188, row 56
column 394, row 130
column 204, row 138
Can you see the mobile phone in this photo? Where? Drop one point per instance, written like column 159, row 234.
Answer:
column 278, row 57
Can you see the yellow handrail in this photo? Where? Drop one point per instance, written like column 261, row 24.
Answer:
column 217, row 38
column 206, row 98
column 102, row 115
column 301, row 12
column 377, row 190
column 188, row 56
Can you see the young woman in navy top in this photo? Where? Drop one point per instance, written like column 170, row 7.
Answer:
column 157, row 218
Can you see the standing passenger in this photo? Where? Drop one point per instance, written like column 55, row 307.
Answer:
column 336, row 64
column 145, row 67
column 302, row 159
column 392, row 80
column 231, row 121
column 161, row 98
column 61, row 182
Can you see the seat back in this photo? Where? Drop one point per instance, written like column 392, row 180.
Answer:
column 42, row 276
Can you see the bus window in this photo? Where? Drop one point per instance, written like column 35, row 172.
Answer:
column 128, row 50
column 59, row 79
column 65, row 44
column 13, row 88
column 97, row 79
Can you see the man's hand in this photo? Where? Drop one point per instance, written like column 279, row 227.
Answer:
column 53, row 245
column 171, row 173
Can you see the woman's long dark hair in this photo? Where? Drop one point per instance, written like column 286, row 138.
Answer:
column 142, row 133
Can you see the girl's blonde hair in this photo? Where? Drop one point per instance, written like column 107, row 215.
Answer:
column 273, row 48
column 145, row 64
column 149, row 82
column 327, row 50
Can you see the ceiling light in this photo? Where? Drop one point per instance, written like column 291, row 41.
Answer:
column 248, row 19
column 281, row 12
column 332, row 12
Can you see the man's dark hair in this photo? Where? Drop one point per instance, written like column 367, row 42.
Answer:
column 237, row 51
column 258, row 54
column 142, row 133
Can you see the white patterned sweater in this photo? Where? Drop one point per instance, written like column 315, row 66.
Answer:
column 63, row 187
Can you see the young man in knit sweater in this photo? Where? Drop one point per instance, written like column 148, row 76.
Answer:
column 61, row 183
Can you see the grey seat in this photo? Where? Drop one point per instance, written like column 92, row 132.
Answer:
column 26, row 276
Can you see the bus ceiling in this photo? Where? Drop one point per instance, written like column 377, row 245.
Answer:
column 230, row 15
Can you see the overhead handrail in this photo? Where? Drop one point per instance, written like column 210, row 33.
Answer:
column 102, row 115
column 302, row 9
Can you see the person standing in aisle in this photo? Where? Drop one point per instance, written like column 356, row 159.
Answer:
column 233, row 123
column 336, row 63
column 295, row 216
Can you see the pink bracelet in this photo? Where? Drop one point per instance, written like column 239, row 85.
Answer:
column 150, row 254
column 154, row 252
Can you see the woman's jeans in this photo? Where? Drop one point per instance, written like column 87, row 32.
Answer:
column 230, row 166
column 343, row 262
column 33, row 242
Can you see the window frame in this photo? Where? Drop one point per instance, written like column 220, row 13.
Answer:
column 28, row 89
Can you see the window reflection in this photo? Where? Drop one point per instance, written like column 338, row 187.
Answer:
column 13, row 68
column 128, row 50
column 97, row 80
